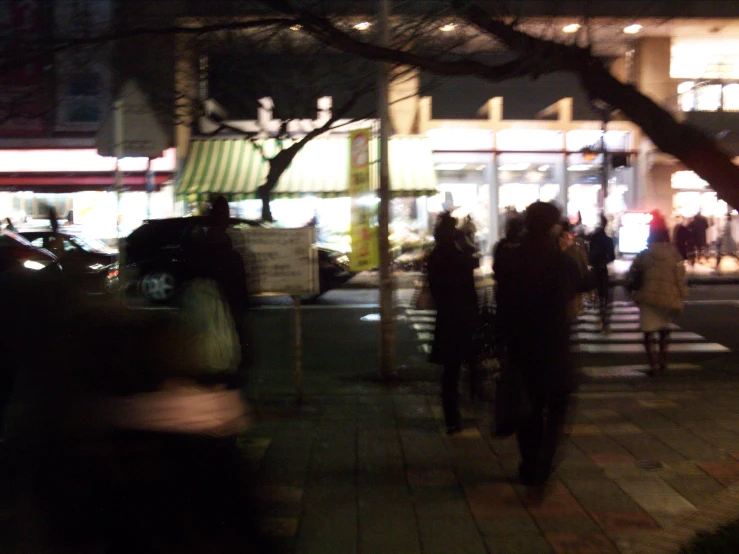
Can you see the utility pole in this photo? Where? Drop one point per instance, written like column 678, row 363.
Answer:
column 387, row 314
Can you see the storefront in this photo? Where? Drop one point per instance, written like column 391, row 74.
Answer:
column 80, row 184
column 314, row 188
column 491, row 174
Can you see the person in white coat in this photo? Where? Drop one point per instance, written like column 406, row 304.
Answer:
column 658, row 286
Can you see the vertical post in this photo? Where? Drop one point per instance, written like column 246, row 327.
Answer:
column 298, row 330
column 387, row 316
column 149, row 187
column 604, row 151
column 118, row 134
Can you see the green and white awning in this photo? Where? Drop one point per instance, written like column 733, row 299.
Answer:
column 235, row 168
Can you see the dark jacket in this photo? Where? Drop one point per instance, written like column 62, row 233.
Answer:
column 452, row 283
column 536, row 282
column 683, row 240
column 601, row 250
column 698, row 228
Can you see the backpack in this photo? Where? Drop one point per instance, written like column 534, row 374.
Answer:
column 208, row 321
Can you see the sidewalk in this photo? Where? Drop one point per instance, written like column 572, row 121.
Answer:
column 703, row 274
column 363, row 467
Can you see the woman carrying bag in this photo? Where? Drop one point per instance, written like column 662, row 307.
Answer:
column 657, row 284
column 452, row 284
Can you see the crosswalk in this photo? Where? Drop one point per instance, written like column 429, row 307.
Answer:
column 624, row 340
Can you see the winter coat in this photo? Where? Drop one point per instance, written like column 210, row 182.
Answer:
column 536, row 283
column 684, row 241
column 663, row 283
column 698, row 228
column 601, row 250
column 452, row 284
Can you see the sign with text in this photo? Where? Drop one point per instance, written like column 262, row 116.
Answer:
column 278, row 261
column 363, row 233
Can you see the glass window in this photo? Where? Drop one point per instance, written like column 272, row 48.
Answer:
column 731, row 97
column 708, row 59
column 686, row 96
column 529, row 139
column 526, row 178
column 708, row 98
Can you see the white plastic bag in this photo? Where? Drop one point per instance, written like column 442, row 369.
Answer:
column 209, row 322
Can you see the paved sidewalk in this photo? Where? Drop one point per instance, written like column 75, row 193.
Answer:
column 365, row 467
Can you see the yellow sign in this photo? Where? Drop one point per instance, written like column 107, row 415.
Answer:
column 363, row 233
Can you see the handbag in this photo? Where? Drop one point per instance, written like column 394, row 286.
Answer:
column 512, row 404
column 422, row 298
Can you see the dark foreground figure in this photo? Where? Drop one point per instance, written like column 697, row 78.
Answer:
column 536, row 281
column 82, row 470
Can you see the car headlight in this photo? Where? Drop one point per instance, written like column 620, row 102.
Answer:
column 33, row 264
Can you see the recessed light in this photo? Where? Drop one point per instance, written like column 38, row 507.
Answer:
column 296, row 27
column 448, row 27
column 363, row 26
column 632, row 29
column 543, row 168
column 571, row 28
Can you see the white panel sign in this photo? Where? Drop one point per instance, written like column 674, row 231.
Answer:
column 278, row 261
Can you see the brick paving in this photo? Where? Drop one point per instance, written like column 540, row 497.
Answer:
column 368, row 469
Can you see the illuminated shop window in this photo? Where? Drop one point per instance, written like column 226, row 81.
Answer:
column 706, row 59
column 731, row 97
column 528, row 139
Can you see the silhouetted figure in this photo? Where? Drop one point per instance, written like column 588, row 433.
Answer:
column 215, row 258
column 574, row 247
column 452, row 284
column 660, row 293
column 698, row 228
column 683, row 239
column 726, row 245
column 539, row 281
column 601, row 252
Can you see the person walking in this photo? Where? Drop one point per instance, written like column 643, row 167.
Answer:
column 601, row 252
column 574, row 247
column 698, row 228
column 683, row 239
column 659, row 288
column 451, row 282
column 539, row 281
column 726, row 245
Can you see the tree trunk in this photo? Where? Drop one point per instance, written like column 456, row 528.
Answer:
column 688, row 144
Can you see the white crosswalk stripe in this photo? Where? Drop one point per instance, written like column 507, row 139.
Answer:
column 625, row 337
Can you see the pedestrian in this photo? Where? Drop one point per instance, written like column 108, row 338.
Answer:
column 215, row 258
column 502, row 249
column 574, row 247
column 539, row 281
column 698, row 228
column 659, row 289
column 726, row 245
column 601, row 252
column 452, row 284
column 683, row 239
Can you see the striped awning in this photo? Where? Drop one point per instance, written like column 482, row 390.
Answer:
column 235, row 168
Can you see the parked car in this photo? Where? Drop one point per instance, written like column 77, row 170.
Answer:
column 92, row 264
column 17, row 251
column 157, row 253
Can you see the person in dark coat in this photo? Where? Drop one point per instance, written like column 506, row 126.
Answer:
column 698, row 228
column 683, row 239
column 452, row 284
column 215, row 258
column 539, row 281
column 601, row 252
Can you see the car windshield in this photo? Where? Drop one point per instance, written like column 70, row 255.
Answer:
column 9, row 239
column 91, row 244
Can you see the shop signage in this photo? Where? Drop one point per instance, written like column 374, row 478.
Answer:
column 278, row 261
column 363, row 233
column 142, row 135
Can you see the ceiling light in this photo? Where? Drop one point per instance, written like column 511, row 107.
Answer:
column 480, row 167
column 571, row 28
column 580, row 167
column 632, row 29
column 515, row 167
column 543, row 167
column 363, row 26
column 296, row 27
column 448, row 27
column 449, row 167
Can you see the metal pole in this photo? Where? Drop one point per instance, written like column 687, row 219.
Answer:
column 387, row 316
column 118, row 134
column 604, row 151
column 298, row 348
